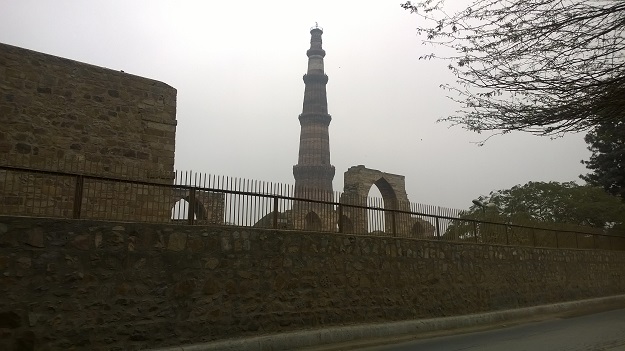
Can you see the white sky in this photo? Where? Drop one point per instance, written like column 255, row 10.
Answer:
column 238, row 66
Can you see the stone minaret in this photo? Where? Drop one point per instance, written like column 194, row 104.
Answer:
column 313, row 172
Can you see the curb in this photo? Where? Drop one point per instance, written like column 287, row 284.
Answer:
column 333, row 335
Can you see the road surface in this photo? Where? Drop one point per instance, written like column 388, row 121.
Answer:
column 603, row 331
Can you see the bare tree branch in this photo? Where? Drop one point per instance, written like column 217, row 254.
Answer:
column 542, row 66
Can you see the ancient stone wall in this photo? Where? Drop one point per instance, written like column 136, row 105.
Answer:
column 358, row 181
column 62, row 115
column 112, row 286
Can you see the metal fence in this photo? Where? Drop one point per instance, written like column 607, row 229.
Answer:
column 195, row 198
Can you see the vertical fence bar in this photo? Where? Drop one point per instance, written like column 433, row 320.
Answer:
column 340, row 219
column 507, row 238
column 557, row 242
column 262, row 201
column 80, row 182
column 438, row 229
column 275, row 212
column 237, row 201
column 257, row 202
column 191, row 213
column 228, row 186
column 244, row 215
column 241, row 201
column 208, row 206
column 176, row 212
column 185, row 205
column 475, row 230
column 233, row 201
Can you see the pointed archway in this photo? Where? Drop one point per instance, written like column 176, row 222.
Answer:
column 358, row 182
column 312, row 222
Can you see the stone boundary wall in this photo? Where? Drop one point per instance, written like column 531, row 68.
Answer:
column 78, row 284
column 71, row 116
column 62, row 115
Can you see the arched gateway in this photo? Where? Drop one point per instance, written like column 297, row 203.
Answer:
column 357, row 183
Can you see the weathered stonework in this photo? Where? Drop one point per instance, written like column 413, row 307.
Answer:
column 59, row 114
column 209, row 206
column 55, row 108
column 75, row 284
column 358, row 180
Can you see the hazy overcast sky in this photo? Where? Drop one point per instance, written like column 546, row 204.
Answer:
column 238, row 66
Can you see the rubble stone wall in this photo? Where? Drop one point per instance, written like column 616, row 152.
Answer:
column 55, row 108
column 79, row 284
column 62, row 115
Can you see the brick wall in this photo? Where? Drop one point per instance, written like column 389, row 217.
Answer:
column 122, row 286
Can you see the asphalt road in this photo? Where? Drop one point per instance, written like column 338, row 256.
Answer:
column 600, row 331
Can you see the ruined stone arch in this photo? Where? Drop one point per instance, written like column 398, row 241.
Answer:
column 208, row 206
column 199, row 210
column 347, row 224
column 358, row 181
column 312, row 221
column 389, row 194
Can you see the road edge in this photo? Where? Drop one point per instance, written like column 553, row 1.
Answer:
column 334, row 335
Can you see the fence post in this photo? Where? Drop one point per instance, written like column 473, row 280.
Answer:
column 507, row 239
column 534, row 237
column 275, row 212
column 557, row 243
column 475, row 230
column 393, row 223
column 80, row 182
column 340, row 211
column 594, row 241
column 191, row 214
column 438, row 229
column 576, row 241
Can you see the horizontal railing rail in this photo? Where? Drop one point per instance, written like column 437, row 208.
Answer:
column 235, row 201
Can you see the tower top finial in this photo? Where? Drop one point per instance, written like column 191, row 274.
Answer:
column 316, row 27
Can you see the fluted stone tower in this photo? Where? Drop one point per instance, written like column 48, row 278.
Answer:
column 313, row 172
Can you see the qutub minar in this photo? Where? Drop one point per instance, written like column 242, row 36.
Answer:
column 313, row 172
column 315, row 207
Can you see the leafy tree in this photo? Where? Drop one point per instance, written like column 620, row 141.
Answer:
column 541, row 204
column 607, row 144
column 554, row 202
column 541, row 66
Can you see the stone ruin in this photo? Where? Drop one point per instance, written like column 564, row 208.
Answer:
column 102, row 122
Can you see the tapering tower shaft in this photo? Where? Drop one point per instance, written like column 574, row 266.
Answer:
column 313, row 172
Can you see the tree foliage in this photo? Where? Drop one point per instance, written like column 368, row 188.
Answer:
column 554, row 202
column 607, row 162
column 541, row 66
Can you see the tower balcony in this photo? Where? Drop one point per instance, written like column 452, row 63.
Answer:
column 313, row 118
column 315, row 78
column 316, row 52
column 313, row 172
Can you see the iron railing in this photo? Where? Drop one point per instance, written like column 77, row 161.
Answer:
column 195, row 198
